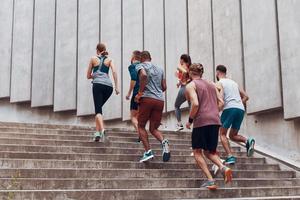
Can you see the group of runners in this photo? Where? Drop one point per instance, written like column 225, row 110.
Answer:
column 206, row 100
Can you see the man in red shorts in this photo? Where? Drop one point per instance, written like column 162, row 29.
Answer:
column 151, row 104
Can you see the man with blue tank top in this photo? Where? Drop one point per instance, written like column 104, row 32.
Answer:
column 235, row 100
column 134, row 88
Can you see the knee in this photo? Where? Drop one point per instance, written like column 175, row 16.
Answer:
column 98, row 115
column 232, row 136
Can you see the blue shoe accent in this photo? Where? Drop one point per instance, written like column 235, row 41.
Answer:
column 250, row 147
column 147, row 156
column 230, row 160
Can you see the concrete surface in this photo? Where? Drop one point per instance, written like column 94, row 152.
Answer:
column 88, row 38
column 43, row 54
column 6, row 22
column 20, row 90
column 65, row 56
column 262, row 68
column 289, row 35
column 132, row 40
column 176, row 44
column 228, row 37
column 200, row 35
column 111, row 34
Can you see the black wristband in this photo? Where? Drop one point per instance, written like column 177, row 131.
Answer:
column 191, row 120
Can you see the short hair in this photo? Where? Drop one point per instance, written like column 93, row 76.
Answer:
column 137, row 55
column 186, row 58
column 146, row 55
column 222, row 69
column 197, row 69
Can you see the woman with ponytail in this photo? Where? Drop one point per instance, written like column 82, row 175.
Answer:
column 98, row 70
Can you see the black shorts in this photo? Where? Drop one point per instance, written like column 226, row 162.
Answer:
column 206, row 138
column 133, row 105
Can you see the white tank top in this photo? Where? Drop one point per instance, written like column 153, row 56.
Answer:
column 232, row 97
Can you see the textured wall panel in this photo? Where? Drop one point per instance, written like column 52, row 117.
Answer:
column 289, row 32
column 6, row 15
column 43, row 53
column 22, row 51
column 65, row 56
column 227, row 37
column 88, row 37
column 132, row 40
column 261, row 55
column 154, row 40
column 200, row 35
column 176, row 44
column 111, row 35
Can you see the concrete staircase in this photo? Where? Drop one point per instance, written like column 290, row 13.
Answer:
column 62, row 162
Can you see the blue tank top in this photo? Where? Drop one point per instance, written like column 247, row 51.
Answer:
column 101, row 73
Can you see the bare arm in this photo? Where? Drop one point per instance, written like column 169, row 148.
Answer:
column 220, row 95
column 89, row 70
column 115, row 76
column 164, row 85
column 132, row 84
column 191, row 96
column 142, row 75
column 244, row 96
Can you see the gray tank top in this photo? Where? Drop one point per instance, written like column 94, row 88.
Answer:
column 101, row 73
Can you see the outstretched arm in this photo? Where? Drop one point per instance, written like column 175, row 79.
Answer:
column 191, row 96
column 115, row 76
column 244, row 96
column 89, row 70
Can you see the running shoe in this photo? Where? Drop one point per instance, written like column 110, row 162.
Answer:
column 179, row 127
column 230, row 160
column 138, row 140
column 102, row 135
column 166, row 150
column 227, row 173
column 250, row 147
column 97, row 136
column 211, row 185
column 147, row 156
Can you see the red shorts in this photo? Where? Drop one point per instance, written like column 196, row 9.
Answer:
column 150, row 109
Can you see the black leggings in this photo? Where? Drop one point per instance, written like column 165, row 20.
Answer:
column 101, row 94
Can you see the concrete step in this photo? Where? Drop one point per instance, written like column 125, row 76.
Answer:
column 135, row 173
column 153, row 194
column 89, row 137
column 257, row 198
column 35, row 163
column 79, row 143
column 167, row 134
column 110, row 157
column 101, row 150
column 134, row 183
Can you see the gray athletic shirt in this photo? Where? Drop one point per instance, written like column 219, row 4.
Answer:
column 155, row 75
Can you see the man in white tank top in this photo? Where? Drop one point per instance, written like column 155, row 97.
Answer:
column 232, row 117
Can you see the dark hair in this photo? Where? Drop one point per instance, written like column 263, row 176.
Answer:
column 222, row 69
column 137, row 55
column 197, row 69
column 102, row 49
column 146, row 55
column 187, row 59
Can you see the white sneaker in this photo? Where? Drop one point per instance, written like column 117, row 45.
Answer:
column 179, row 127
column 215, row 168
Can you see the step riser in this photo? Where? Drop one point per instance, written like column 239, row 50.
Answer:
column 108, row 157
column 69, row 173
column 118, row 165
column 150, row 194
column 33, row 184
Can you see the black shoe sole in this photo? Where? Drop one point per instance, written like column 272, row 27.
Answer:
column 166, row 157
column 97, row 139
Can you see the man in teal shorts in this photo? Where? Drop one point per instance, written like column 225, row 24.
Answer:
column 232, row 117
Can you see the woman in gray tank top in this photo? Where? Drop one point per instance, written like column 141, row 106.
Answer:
column 98, row 70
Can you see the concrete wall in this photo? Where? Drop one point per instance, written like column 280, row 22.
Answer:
column 48, row 72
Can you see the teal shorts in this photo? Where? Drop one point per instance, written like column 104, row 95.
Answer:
column 232, row 118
